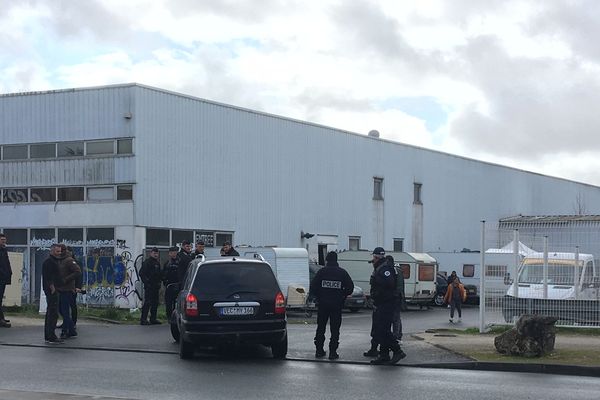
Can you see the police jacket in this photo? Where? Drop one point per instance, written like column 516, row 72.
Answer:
column 51, row 274
column 170, row 271
column 150, row 273
column 5, row 270
column 184, row 261
column 331, row 285
column 383, row 284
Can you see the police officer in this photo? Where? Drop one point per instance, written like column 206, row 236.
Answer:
column 384, row 295
column 170, row 279
column 329, row 287
column 150, row 274
column 185, row 257
column 377, row 260
column 397, row 321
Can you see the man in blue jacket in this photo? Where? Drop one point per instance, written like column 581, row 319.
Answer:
column 329, row 287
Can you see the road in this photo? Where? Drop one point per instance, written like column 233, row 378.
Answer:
column 28, row 371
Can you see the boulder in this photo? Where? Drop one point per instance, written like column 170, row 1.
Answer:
column 532, row 336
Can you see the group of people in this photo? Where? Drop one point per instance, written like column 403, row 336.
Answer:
column 170, row 274
column 332, row 284
column 61, row 282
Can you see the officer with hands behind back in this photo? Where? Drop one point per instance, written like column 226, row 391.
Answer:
column 329, row 287
column 150, row 274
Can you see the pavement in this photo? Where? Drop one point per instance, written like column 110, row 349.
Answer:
column 427, row 342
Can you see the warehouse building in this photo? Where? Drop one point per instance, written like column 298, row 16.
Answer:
column 113, row 170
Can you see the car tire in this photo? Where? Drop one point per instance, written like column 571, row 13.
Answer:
column 439, row 300
column 354, row 309
column 280, row 349
column 186, row 349
column 175, row 332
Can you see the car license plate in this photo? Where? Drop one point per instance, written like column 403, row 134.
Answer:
column 237, row 310
column 359, row 301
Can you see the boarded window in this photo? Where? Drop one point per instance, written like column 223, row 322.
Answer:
column 426, row 272
column 70, row 194
column 180, row 236
column 377, row 188
column 354, row 243
column 70, row 149
column 16, row 152
column 100, row 147
column 207, row 237
column 398, row 245
column 417, row 193
column 100, row 234
column 42, row 194
column 224, row 237
column 157, row 237
column 124, row 146
column 46, row 150
column 100, row 193
column 16, row 236
column 468, row 270
column 125, row 192
column 70, row 235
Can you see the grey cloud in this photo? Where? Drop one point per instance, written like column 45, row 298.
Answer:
column 536, row 107
column 247, row 11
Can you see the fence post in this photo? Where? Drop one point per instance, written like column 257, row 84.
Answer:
column 517, row 259
column 482, row 280
column 576, row 283
column 545, row 273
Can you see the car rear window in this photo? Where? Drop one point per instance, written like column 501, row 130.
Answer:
column 235, row 277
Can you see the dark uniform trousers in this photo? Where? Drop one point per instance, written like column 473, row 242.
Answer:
column 171, row 292
column 334, row 315
column 150, row 302
column 384, row 317
column 51, row 316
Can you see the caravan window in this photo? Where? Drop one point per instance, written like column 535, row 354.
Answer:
column 426, row 272
column 561, row 273
column 468, row 270
column 405, row 270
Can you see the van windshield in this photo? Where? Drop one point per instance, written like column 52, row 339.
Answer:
column 557, row 274
column 230, row 278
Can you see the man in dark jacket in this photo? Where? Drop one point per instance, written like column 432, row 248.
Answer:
column 199, row 248
column 5, row 277
column 397, row 321
column 170, row 279
column 329, row 287
column 384, row 295
column 185, row 257
column 228, row 251
column 50, row 281
column 377, row 260
column 69, row 272
column 150, row 274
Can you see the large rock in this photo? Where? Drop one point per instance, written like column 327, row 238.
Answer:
column 533, row 336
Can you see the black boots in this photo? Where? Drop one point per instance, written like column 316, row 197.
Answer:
column 397, row 355
column 372, row 352
column 320, row 353
column 384, row 358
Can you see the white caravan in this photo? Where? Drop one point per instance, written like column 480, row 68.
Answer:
column 419, row 271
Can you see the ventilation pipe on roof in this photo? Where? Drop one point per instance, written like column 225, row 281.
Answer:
column 374, row 133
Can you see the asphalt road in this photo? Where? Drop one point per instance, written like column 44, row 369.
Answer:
column 40, row 373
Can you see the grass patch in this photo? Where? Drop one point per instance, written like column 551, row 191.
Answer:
column 565, row 357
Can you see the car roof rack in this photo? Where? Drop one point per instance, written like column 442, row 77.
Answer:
column 259, row 256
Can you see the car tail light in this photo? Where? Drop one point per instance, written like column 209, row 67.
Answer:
column 191, row 305
column 279, row 303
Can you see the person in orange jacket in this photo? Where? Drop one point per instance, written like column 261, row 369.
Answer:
column 455, row 296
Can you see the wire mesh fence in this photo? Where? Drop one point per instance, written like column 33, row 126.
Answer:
column 548, row 269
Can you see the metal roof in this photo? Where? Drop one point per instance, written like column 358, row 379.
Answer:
column 545, row 219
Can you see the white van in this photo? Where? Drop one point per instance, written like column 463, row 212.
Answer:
column 419, row 271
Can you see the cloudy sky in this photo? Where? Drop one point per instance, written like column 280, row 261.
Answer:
column 510, row 82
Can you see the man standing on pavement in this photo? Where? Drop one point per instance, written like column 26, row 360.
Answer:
column 199, row 248
column 5, row 277
column 329, row 287
column 69, row 272
column 397, row 321
column 383, row 293
column 150, row 275
column 170, row 279
column 378, row 259
column 185, row 257
column 50, row 281
column 228, row 251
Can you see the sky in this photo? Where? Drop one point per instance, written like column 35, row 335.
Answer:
column 508, row 82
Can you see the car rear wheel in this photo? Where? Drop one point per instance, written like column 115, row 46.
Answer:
column 186, row 349
column 175, row 332
column 280, row 349
column 439, row 300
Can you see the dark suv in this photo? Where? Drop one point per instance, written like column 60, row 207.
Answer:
column 229, row 301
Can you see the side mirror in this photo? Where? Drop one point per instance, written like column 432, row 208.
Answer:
column 507, row 279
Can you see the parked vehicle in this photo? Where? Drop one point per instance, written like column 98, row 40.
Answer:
column 419, row 271
column 571, row 290
column 353, row 302
column 230, row 300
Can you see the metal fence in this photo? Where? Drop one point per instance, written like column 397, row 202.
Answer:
column 550, row 270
